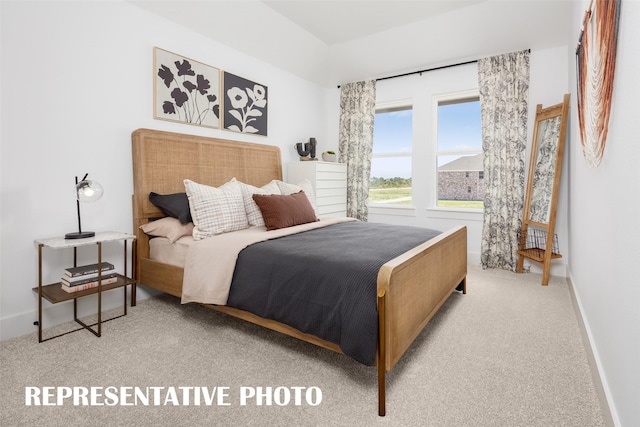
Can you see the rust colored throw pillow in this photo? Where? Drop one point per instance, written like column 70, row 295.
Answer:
column 285, row 211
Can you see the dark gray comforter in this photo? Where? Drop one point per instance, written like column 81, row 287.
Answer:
column 324, row 281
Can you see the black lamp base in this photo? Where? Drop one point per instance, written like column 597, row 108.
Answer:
column 80, row 235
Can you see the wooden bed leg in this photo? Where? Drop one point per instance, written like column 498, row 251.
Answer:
column 134, row 269
column 381, row 354
column 462, row 286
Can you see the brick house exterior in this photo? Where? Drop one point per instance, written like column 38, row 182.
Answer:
column 461, row 179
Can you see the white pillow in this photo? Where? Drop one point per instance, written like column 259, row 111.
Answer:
column 286, row 189
column 215, row 210
column 254, row 215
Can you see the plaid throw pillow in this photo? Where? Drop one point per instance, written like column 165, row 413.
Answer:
column 215, row 210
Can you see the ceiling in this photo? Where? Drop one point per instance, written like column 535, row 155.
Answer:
column 336, row 41
column 339, row 21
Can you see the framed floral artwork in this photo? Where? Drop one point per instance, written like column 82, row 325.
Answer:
column 245, row 105
column 185, row 90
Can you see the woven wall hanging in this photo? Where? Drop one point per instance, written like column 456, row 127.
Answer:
column 596, row 63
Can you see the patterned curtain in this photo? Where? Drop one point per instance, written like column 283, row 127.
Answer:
column 504, row 99
column 357, row 114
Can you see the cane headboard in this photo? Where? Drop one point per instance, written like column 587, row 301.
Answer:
column 162, row 160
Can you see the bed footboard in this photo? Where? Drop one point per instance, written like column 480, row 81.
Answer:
column 411, row 289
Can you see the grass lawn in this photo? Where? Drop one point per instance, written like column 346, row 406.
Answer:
column 475, row 204
column 390, row 195
column 402, row 196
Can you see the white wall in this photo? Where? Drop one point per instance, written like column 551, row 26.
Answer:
column 76, row 81
column 604, row 231
column 548, row 84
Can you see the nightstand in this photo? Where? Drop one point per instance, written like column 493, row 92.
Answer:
column 54, row 293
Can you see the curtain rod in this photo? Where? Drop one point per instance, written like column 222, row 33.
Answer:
column 423, row 71
column 428, row 69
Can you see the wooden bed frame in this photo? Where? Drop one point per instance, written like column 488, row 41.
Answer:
column 411, row 287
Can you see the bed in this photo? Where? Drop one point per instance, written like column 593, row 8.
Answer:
column 410, row 288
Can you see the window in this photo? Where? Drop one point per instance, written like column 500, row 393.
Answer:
column 391, row 157
column 459, row 157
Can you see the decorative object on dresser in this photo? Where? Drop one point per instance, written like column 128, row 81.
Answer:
column 329, row 183
column 329, row 156
column 186, row 91
column 81, row 281
column 245, row 105
column 308, row 150
column 86, row 191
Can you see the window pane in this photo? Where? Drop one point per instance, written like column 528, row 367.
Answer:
column 390, row 180
column 459, row 125
column 391, row 160
column 392, row 131
column 460, row 176
column 461, row 181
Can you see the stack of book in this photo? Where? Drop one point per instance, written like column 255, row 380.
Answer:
column 86, row 277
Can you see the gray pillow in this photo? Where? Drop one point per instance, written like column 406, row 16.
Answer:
column 174, row 205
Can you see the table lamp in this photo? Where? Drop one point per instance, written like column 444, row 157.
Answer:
column 86, row 191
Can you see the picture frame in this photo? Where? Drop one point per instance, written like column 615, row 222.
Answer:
column 245, row 105
column 185, row 90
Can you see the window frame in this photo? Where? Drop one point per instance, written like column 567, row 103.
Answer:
column 433, row 209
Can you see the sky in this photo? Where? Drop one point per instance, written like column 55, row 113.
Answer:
column 459, row 126
column 458, row 129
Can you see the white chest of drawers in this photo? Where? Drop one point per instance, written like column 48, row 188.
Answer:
column 329, row 181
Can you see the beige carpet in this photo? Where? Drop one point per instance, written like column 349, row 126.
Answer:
column 509, row 353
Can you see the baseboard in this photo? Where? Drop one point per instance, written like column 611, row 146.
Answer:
column 473, row 258
column 558, row 269
column 56, row 314
column 599, row 379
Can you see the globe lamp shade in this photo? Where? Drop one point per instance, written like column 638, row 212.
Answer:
column 87, row 191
